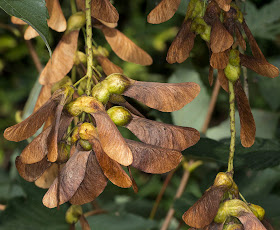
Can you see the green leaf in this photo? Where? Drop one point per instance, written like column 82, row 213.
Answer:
column 188, row 116
column 33, row 12
column 119, row 221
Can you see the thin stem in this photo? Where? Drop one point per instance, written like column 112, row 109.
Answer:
column 211, row 106
column 73, row 6
column 78, row 82
column 232, row 127
column 74, row 73
column 160, row 195
column 246, row 85
column 34, row 56
column 89, row 45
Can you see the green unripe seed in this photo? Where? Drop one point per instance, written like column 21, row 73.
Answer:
column 223, row 179
column 80, row 57
column 66, row 81
column 232, row 72
column 63, row 152
column 76, row 21
column 87, row 131
column 85, row 144
column 117, row 99
column 233, row 226
column 73, row 214
column 195, row 9
column 234, row 190
column 101, row 93
column 234, row 58
column 206, row 35
column 116, row 83
column 75, row 135
column 230, row 208
column 258, row 211
column 119, row 115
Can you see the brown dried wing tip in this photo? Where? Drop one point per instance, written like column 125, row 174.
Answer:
column 223, row 79
column 111, row 140
column 250, row 221
column 104, row 10
column 93, row 184
column 57, row 20
column 131, row 52
column 163, row 135
column 30, row 33
column 17, row 21
column 62, row 59
column 166, row 97
column 260, row 66
column 112, row 170
column 247, row 123
column 163, row 11
column 205, row 209
column 108, row 66
column 240, row 39
column 210, row 75
column 44, row 95
column 70, row 179
column 48, row 177
column 219, row 60
column 182, row 45
column 153, row 159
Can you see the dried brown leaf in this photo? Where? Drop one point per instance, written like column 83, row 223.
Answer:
column 111, row 140
column 163, row 11
column 224, row 4
column 260, row 66
column 182, row 45
column 219, row 60
column 31, row 172
column 62, row 59
column 37, row 149
column 48, row 177
column 223, row 79
column 250, row 221
column 43, row 97
column 108, row 66
column 93, row 184
column 30, row 125
column 30, row 33
column 17, row 21
column 247, row 123
column 205, row 209
column 153, row 159
column 131, row 52
column 163, row 135
column 71, row 176
column 166, row 97
column 57, row 20
column 112, row 170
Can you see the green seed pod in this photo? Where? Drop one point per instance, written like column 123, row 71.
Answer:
column 117, row 99
column 258, row 211
column 234, row 190
column 195, row 9
column 87, row 131
column 117, row 83
column 206, row 35
column 73, row 214
column 76, row 21
column 101, row 93
column 119, row 115
column 66, row 81
column 102, row 51
column 234, row 58
column 75, row 135
column 233, row 226
column 63, row 152
column 239, row 15
column 230, row 208
column 80, row 57
column 223, row 179
column 232, row 72
column 85, row 104
column 85, row 144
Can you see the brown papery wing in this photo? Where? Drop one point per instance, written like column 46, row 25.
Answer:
column 260, row 66
column 215, row 226
column 93, row 184
column 62, row 59
column 30, row 33
column 153, row 159
column 31, row 172
column 43, row 97
column 210, row 75
column 223, row 79
column 17, row 21
column 112, row 170
column 71, row 176
column 224, row 4
column 205, row 209
column 166, row 97
column 108, row 66
column 104, row 10
column 111, row 139
column 30, row 125
column 125, row 48
column 163, row 11
column 57, row 20
column 219, row 60
column 48, row 177
column 240, row 39
column 247, row 123
column 37, row 149
column 182, row 45
column 163, row 135
column 220, row 38
column 250, row 221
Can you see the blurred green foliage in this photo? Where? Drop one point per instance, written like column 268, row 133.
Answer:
column 257, row 168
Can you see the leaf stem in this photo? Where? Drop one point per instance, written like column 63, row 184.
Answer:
column 73, row 6
column 89, row 45
column 232, row 127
